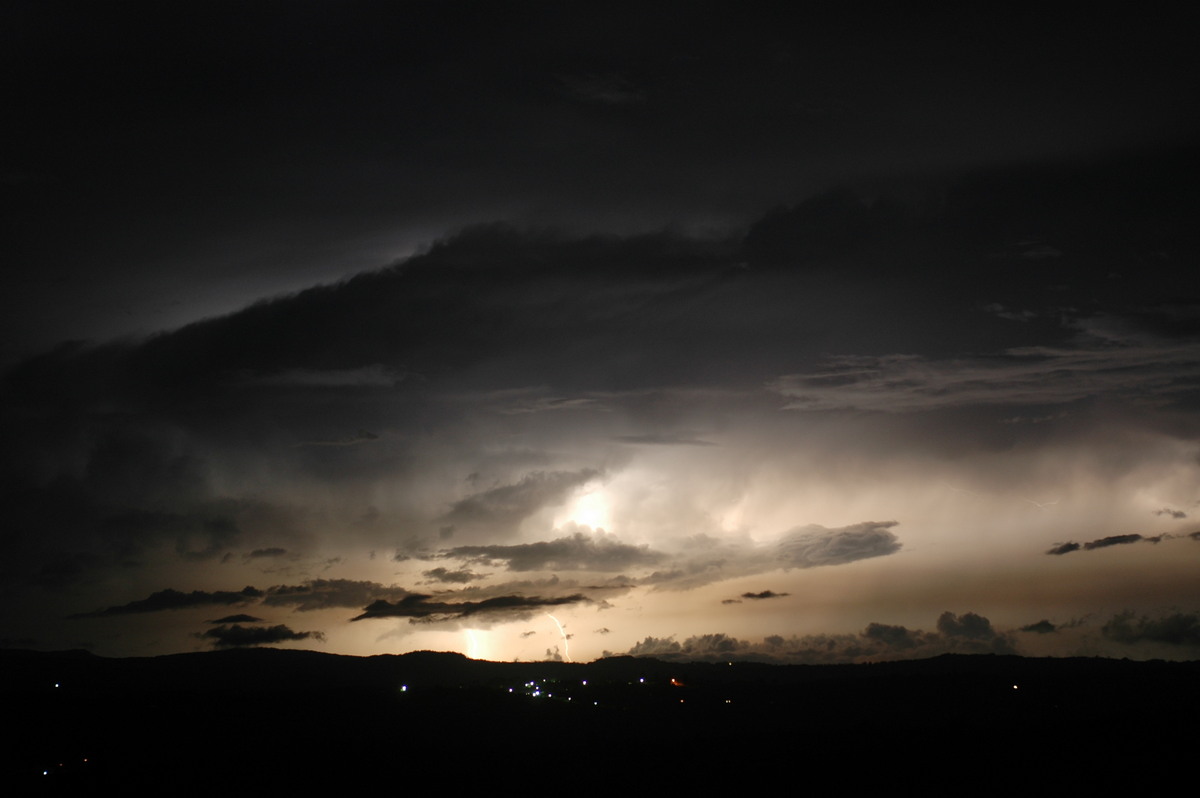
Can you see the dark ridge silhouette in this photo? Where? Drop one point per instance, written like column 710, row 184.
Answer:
column 286, row 719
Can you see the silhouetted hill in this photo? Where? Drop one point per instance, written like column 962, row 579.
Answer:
column 281, row 719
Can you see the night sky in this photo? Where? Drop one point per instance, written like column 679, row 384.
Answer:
column 546, row 330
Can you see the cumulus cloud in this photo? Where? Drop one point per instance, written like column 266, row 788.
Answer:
column 966, row 625
column 814, row 545
column 965, row 634
column 237, row 636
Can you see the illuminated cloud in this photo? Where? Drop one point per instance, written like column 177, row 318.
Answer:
column 292, row 364
column 814, row 545
column 577, row 552
column 444, row 575
column 505, row 506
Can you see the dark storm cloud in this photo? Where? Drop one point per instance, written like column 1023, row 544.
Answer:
column 320, row 594
column 508, row 505
column 1106, row 542
column 240, row 618
column 176, row 600
column 562, row 121
column 421, row 608
column 814, row 545
column 965, row 634
column 1179, row 629
column 462, row 576
column 1176, row 514
column 238, row 636
column 897, row 637
column 269, row 552
column 966, row 625
column 577, row 552
column 765, row 594
column 1112, row 540
column 939, row 274
column 1041, row 627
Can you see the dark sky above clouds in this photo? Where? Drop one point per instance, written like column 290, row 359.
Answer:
column 554, row 329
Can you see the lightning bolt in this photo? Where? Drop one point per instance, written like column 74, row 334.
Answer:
column 561, row 631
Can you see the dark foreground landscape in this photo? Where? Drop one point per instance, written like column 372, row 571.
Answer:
column 273, row 719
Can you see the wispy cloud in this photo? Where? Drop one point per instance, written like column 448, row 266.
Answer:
column 573, row 552
column 1104, row 360
column 814, row 545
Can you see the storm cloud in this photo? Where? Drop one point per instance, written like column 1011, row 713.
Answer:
column 170, row 599
column 670, row 314
column 424, row 609
column 237, row 636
